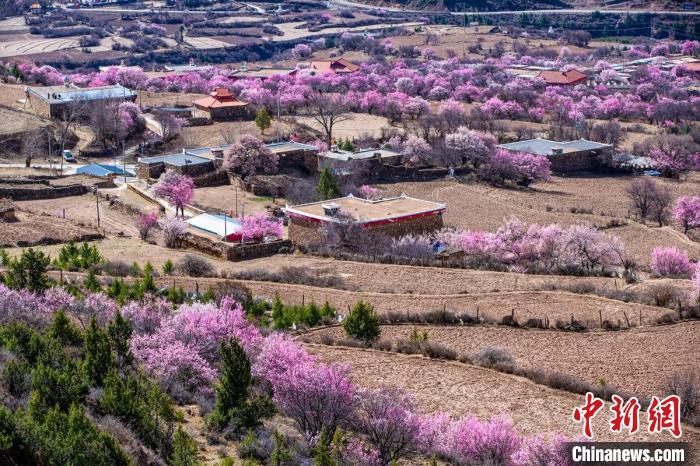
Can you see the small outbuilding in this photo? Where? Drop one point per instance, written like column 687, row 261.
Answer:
column 397, row 216
column 567, row 156
column 184, row 163
column 221, row 226
column 220, row 105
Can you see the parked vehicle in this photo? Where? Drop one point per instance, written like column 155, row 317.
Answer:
column 68, row 156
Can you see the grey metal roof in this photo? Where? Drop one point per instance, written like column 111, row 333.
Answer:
column 175, row 159
column 288, row 146
column 541, row 146
column 361, row 154
column 56, row 94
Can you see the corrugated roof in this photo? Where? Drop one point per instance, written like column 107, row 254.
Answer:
column 175, row 159
column 288, row 146
column 101, row 170
column 214, row 223
column 541, row 146
column 361, row 154
column 67, row 94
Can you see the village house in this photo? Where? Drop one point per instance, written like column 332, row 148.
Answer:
column 345, row 162
column 395, row 217
column 53, row 101
column 563, row 78
column 339, row 66
column 262, row 73
column 220, row 105
column 184, row 163
column 566, row 157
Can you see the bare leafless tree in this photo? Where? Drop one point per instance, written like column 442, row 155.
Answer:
column 328, row 110
column 73, row 112
column 640, row 193
column 660, row 205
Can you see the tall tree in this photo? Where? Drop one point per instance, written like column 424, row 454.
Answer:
column 327, row 185
column 263, row 120
column 327, row 110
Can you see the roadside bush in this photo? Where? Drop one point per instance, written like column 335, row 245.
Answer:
column 362, row 323
column 435, row 350
column 194, row 266
column 113, row 268
column 663, row 295
column 297, row 275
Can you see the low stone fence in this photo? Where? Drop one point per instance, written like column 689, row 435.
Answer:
column 217, row 178
column 17, row 193
column 235, row 251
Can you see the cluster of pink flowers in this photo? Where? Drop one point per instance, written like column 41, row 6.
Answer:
column 670, row 262
column 176, row 188
column 576, row 249
column 184, row 347
column 520, row 167
column 259, row 226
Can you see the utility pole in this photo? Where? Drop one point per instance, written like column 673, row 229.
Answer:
column 97, row 205
column 278, row 116
column 236, row 188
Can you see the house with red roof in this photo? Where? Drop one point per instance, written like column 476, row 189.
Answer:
column 339, row 66
column 219, row 105
column 563, row 78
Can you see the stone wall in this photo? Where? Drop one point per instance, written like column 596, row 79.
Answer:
column 216, row 178
column 304, row 159
column 154, row 170
column 235, row 251
column 18, row 193
column 575, row 161
column 307, row 233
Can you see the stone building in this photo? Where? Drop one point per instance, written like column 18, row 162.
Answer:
column 394, row 217
column 220, row 105
column 183, row 163
column 54, row 101
column 345, row 162
column 566, row 157
column 295, row 155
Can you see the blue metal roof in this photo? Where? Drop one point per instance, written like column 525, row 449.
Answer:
column 101, row 170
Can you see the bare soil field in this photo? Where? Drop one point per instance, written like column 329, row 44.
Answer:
column 15, row 122
column 36, row 45
column 223, row 132
column 32, row 229
column 223, row 199
column 357, row 126
column 10, row 94
column 479, row 206
column 83, row 209
column 638, row 361
column 463, row 389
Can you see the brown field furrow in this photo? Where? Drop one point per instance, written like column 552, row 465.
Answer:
column 468, row 390
column 638, row 361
